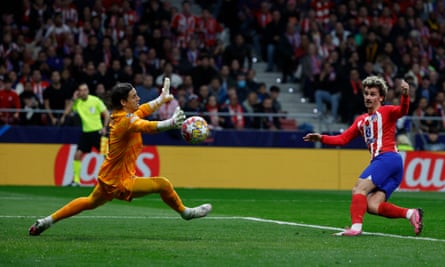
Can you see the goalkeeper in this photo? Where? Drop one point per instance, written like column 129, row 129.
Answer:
column 116, row 178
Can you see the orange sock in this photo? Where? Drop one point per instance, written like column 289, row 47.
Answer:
column 358, row 208
column 389, row 210
column 171, row 198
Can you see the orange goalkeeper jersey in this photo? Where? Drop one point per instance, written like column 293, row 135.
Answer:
column 125, row 144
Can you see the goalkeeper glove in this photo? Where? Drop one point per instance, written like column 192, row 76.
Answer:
column 164, row 97
column 175, row 122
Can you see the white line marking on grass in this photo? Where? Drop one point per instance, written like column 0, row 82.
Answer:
column 339, row 229
column 254, row 219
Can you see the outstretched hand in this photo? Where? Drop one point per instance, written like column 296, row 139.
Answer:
column 178, row 118
column 404, row 87
column 165, row 96
column 312, row 137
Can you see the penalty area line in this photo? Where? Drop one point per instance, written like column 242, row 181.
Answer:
column 253, row 219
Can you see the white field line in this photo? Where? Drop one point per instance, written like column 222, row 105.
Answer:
column 254, row 219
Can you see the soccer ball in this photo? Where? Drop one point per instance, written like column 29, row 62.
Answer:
column 194, row 130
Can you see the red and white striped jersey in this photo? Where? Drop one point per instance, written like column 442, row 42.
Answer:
column 377, row 129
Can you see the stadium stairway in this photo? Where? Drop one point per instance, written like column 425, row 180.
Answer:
column 302, row 112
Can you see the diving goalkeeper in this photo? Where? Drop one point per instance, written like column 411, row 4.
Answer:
column 116, row 178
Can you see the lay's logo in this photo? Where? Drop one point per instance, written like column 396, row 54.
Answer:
column 147, row 165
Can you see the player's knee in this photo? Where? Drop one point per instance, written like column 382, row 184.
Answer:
column 164, row 184
column 373, row 208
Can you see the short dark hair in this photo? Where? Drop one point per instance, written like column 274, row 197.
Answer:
column 119, row 92
column 274, row 88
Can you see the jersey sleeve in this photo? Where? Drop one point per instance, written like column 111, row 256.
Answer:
column 101, row 105
column 402, row 109
column 136, row 124
column 144, row 110
column 343, row 138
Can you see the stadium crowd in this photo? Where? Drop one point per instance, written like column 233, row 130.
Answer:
column 48, row 47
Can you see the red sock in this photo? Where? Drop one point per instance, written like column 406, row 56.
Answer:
column 389, row 210
column 358, row 208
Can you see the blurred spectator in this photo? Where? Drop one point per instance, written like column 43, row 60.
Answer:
column 262, row 17
column 93, row 51
column 9, row 100
column 272, row 32
column 235, row 69
column 339, row 34
column 425, row 89
column 58, row 30
column 242, row 88
column 262, row 91
column 38, row 85
column 179, row 62
column 153, row 62
column 184, row 24
column 208, row 29
column 235, row 119
column 147, row 91
column 216, row 89
column 203, row 95
column 68, row 81
column 428, row 122
column 432, row 141
column 168, row 72
column 203, row 72
column 250, row 105
column 115, row 73
column 251, row 80
column 101, row 76
column 187, row 86
column 213, row 118
column 311, row 64
column 53, row 60
column 251, row 102
column 352, row 97
column 288, row 52
column 217, row 53
column 154, row 13
column 7, row 48
column 239, row 50
column 327, row 91
column 193, row 106
column 439, row 105
column 226, row 80
column 127, row 59
column 274, row 92
column 102, row 93
column 268, row 122
column 403, row 143
column 29, row 103
column 56, row 98
column 370, row 48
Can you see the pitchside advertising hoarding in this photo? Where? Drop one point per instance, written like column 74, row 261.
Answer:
column 217, row 167
column 424, row 171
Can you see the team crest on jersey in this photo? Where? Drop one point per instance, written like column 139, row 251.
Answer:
column 372, row 118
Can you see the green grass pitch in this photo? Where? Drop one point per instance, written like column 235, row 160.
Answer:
column 246, row 228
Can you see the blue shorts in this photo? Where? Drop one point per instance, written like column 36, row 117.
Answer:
column 385, row 171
